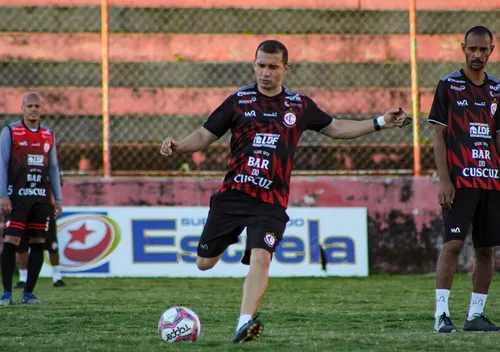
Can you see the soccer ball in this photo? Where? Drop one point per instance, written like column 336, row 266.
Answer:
column 179, row 324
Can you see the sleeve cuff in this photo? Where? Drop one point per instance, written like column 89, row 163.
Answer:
column 436, row 121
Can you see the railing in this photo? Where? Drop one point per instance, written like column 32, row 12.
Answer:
column 118, row 78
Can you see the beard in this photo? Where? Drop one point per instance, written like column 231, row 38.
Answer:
column 476, row 65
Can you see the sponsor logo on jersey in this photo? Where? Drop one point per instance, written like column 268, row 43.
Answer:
column 480, row 172
column 248, row 101
column 256, row 180
column 250, row 113
column 462, row 103
column 481, row 154
column 291, row 104
column 258, row 163
column 458, row 88
column 271, row 114
column 23, row 144
column 35, row 160
column 482, row 103
column 266, row 140
column 33, row 178
column 241, row 94
column 295, row 97
column 455, row 80
column 40, row 192
column 479, row 130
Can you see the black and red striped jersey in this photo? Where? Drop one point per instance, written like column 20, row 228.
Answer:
column 265, row 133
column 470, row 113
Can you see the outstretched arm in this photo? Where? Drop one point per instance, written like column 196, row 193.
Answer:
column 197, row 140
column 347, row 129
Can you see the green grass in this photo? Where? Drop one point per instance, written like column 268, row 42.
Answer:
column 379, row 313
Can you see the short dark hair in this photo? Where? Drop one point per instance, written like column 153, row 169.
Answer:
column 273, row 47
column 31, row 95
column 479, row 30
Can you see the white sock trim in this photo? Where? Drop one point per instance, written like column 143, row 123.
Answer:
column 23, row 275
column 245, row 318
column 442, row 297
column 477, row 302
column 56, row 273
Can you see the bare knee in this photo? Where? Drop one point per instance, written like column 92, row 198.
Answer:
column 206, row 263
column 12, row 239
column 260, row 258
column 37, row 240
column 484, row 253
column 452, row 248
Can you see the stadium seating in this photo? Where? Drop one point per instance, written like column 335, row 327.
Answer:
column 174, row 61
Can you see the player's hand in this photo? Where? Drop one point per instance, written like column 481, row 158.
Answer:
column 446, row 194
column 6, row 205
column 57, row 209
column 394, row 118
column 168, row 146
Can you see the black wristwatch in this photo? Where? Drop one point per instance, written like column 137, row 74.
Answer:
column 377, row 126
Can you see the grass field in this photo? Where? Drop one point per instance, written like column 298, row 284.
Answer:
column 379, row 313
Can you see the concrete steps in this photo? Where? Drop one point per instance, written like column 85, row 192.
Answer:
column 237, row 20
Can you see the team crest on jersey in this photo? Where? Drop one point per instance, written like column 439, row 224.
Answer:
column 289, row 119
column 493, row 107
column 46, row 147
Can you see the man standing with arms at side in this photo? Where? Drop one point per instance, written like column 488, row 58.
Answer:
column 266, row 120
column 28, row 160
column 466, row 150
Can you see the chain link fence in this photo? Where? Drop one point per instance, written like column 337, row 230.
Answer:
column 170, row 67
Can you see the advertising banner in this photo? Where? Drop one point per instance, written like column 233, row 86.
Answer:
column 162, row 242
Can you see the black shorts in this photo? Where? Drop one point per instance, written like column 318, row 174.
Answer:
column 50, row 239
column 232, row 211
column 479, row 208
column 28, row 219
